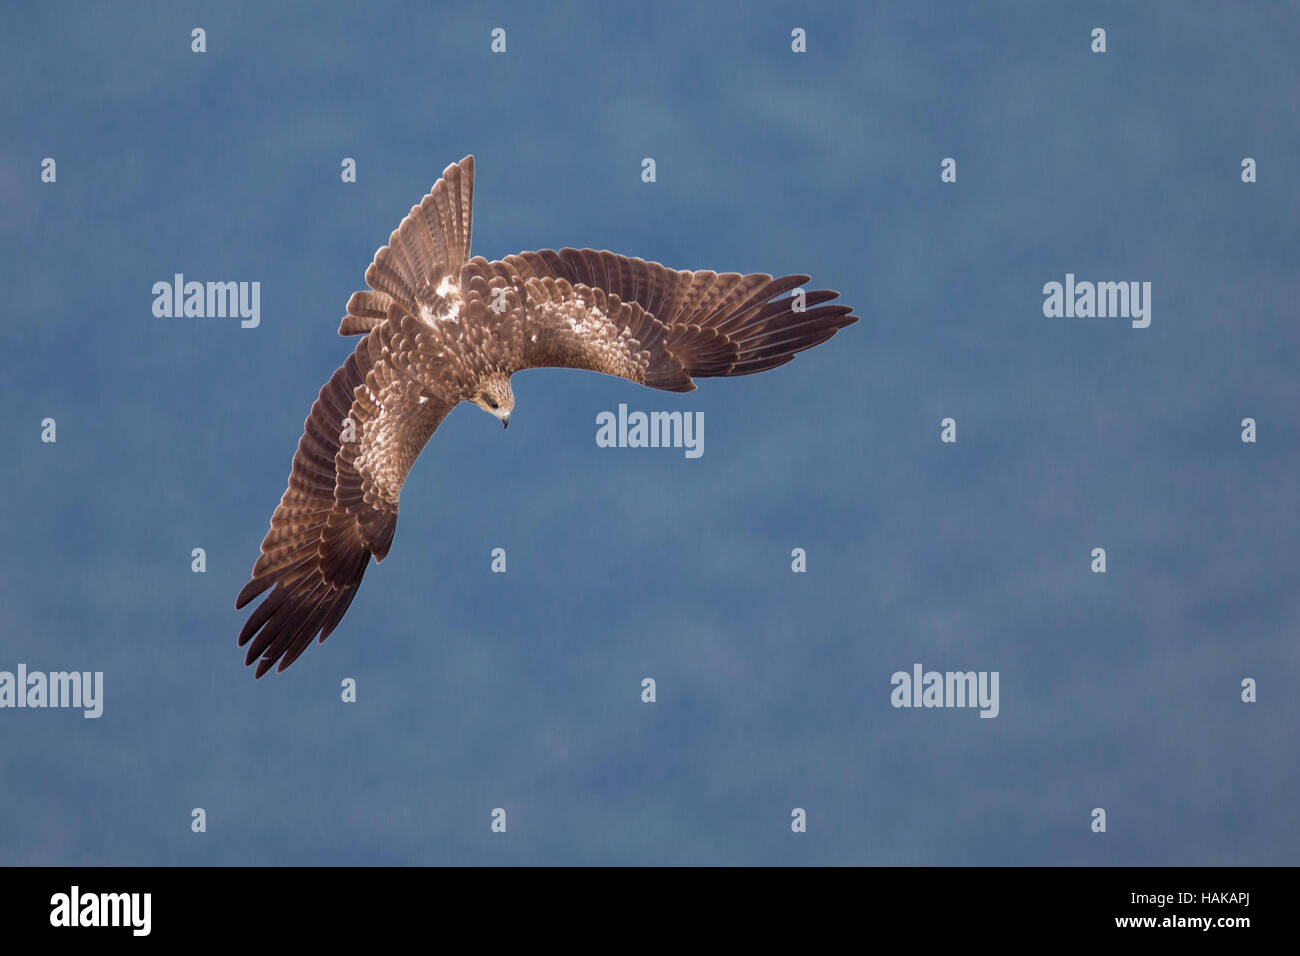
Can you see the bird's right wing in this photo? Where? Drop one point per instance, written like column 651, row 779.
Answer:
column 430, row 245
column 363, row 434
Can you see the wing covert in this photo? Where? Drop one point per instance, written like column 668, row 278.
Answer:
column 364, row 432
column 703, row 323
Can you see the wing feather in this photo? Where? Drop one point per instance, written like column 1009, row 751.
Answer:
column 709, row 324
column 340, row 508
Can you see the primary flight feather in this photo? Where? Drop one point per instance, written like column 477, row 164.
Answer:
column 441, row 328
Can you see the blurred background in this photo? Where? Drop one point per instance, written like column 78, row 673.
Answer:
column 522, row 690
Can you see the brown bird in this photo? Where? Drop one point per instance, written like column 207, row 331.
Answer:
column 441, row 328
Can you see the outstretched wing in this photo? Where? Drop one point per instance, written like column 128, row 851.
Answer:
column 430, row 245
column 364, row 432
column 657, row 326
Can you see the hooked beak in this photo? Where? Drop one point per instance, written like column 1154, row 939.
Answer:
column 505, row 421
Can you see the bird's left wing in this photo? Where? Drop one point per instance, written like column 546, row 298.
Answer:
column 364, row 432
column 660, row 327
column 519, row 323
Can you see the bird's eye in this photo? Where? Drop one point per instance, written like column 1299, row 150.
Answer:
column 491, row 402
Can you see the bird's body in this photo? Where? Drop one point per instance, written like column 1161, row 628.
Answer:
column 440, row 328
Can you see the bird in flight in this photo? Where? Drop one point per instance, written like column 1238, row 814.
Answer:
column 439, row 328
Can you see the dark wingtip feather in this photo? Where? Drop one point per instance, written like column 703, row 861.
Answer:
column 249, row 591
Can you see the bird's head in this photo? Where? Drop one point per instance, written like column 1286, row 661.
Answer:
column 495, row 397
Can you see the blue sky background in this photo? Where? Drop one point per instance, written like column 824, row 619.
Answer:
column 522, row 690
